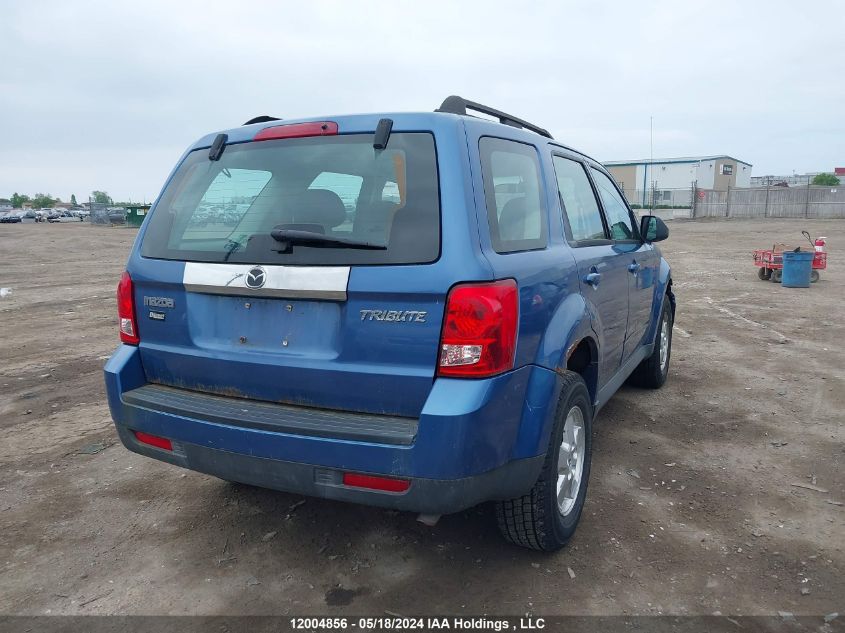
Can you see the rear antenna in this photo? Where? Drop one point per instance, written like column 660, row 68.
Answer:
column 217, row 147
column 382, row 135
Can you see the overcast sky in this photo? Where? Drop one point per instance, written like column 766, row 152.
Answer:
column 107, row 94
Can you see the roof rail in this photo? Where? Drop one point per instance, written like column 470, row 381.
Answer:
column 262, row 119
column 459, row 105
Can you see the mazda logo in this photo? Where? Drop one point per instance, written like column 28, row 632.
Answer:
column 256, row 277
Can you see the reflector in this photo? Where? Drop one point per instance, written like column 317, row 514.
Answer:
column 373, row 482
column 153, row 440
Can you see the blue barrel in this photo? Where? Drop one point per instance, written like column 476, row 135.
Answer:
column 797, row 268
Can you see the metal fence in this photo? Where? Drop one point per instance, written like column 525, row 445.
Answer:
column 102, row 214
column 770, row 202
column 807, row 201
column 99, row 214
column 660, row 198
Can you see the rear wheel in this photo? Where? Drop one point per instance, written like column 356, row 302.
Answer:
column 814, row 276
column 776, row 275
column 546, row 518
column 764, row 273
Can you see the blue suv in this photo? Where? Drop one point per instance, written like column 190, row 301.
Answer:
column 422, row 311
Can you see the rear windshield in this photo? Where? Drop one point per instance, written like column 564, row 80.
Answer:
column 334, row 186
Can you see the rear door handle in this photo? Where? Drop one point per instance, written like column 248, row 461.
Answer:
column 592, row 279
column 634, row 267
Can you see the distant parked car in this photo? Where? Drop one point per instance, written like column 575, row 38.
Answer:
column 117, row 215
column 63, row 216
column 10, row 218
column 80, row 212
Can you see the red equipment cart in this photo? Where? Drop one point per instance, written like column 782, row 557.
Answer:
column 770, row 261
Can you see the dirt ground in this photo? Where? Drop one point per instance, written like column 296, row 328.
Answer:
column 694, row 505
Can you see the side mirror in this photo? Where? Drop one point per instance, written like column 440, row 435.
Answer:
column 653, row 229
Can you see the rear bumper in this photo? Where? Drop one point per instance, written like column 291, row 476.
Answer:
column 429, row 496
column 475, row 440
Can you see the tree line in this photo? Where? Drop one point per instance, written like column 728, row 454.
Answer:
column 46, row 201
column 826, row 180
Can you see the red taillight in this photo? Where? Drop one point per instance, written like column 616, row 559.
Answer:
column 388, row 484
column 479, row 330
column 126, row 310
column 297, row 130
column 154, row 440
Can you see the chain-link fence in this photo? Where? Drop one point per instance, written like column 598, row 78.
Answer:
column 657, row 198
column 103, row 214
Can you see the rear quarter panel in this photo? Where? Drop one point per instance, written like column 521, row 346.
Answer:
column 553, row 314
column 546, row 277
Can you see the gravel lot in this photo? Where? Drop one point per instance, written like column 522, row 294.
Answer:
column 693, row 506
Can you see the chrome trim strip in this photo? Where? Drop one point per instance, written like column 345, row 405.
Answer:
column 292, row 282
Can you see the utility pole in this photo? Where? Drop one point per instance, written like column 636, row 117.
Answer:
column 651, row 157
column 807, row 203
column 694, row 202
column 766, row 206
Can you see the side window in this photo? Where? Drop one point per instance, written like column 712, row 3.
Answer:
column 583, row 217
column 615, row 209
column 511, row 174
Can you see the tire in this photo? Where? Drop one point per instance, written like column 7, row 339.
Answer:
column 653, row 371
column 814, row 276
column 764, row 273
column 776, row 276
column 537, row 520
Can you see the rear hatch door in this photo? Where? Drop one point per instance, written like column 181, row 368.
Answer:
column 300, row 270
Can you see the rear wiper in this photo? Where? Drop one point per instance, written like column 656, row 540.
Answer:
column 307, row 238
column 231, row 247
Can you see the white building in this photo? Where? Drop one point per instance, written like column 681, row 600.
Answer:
column 670, row 180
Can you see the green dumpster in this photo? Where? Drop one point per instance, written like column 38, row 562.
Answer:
column 135, row 214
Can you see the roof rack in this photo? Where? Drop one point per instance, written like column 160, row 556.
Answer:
column 459, row 105
column 262, row 119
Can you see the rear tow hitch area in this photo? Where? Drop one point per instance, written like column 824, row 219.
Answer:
column 429, row 519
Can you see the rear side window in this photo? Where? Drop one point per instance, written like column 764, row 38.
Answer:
column 334, row 186
column 615, row 209
column 580, row 209
column 511, row 174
